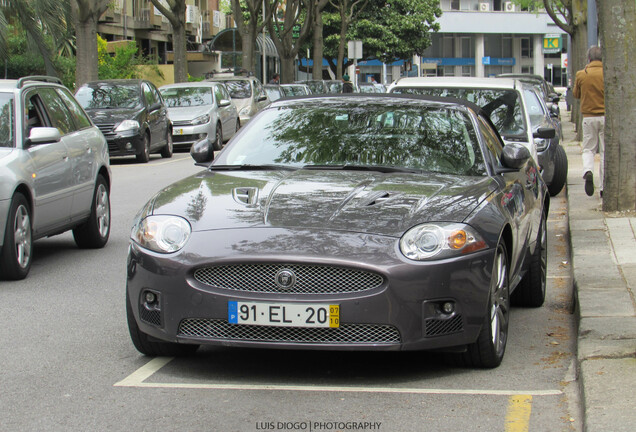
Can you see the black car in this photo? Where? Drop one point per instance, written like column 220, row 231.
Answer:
column 344, row 222
column 131, row 114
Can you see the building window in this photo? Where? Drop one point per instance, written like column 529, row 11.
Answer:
column 506, row 46
column 467, row 47
column 526, row 48
column 448, row 47
column 527, row 69
column 455, row 4
column 467, row 71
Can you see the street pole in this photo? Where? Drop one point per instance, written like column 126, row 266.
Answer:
column 263, row 48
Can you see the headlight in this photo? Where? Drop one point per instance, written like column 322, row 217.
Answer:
column 442, row 240
column 127, row 125
column 201, row 120
column 245, row 111
column 163, row 234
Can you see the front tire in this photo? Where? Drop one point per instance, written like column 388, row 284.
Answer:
column 531, row 289
column 148, row 347
column 144, row 156
column 488, row 351
column 218, row 138
column 167, row 150
column 17, row 250
column 94, row 233
column 560, row 171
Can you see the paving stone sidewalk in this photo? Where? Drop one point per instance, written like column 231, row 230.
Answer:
column 603, row 247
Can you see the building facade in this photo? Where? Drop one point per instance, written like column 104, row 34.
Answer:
column 483, row 38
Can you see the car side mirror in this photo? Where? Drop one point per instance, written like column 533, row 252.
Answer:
column 202, row 152
column 262, row 98
column 514, row 157
column 43, row 135
column 545, row 133
column 154, row 107
column 224, row 103
column 554, row 111
column 554, row 97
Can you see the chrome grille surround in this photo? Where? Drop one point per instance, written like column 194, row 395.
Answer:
column 346, row 333
column 310, row 279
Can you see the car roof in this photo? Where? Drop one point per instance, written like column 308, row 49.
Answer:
column 377, row 98
column 458, row 82
column 190, row 84
column 17, row 84
column 115, row 81
column 232, row 78
column 532, row 77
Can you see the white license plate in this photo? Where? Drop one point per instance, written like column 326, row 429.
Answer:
column 177, row 132
column 284, row 314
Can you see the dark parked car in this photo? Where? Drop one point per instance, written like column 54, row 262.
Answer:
column 375, row 222
column 131, row 114
column 54, row 172
column 546, row 89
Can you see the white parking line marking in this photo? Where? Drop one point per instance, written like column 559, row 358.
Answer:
column 137, row 379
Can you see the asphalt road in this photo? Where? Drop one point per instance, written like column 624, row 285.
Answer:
column 67, row 363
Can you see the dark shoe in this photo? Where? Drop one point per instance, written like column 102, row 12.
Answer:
column 589, row 183
column 601, row 194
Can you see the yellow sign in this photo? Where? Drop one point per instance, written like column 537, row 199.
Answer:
column 552, row 44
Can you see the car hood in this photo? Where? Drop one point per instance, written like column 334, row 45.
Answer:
column 187, row 113
column 368, row 202
column 241, row 103
column 5, row 151
column 101, row 115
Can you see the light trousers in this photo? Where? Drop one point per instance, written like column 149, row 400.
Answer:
column 593, row 141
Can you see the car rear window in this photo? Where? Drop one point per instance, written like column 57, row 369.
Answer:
column 503, row 106
column 239, row 89
column 7, row 118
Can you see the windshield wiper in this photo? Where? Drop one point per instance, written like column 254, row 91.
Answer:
column 377, row 168
column 249, row 167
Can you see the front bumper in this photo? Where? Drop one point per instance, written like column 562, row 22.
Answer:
column 184, row 136
column 402, row 313
column 125, row 145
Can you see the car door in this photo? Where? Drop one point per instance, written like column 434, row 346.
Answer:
column 84, row 145
column 226, row 113
column 518, row 197
column 52, row 188
column 153, row 117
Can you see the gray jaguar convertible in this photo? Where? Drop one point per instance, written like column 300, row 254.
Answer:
column 352, row 222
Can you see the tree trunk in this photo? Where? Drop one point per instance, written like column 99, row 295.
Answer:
column 248, row 48
column 618, row 36
column 180, row 50
column 86, row 57
column 287, row 70
column 318, row 45
column 579, row 60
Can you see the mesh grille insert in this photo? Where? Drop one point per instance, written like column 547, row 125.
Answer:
column 346, row 333
column 310, row 279
column 436, row 327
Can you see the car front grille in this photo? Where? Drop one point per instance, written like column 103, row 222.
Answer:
column 347, row 333
column 181, row 123
column 309, row 279
column 106, row 128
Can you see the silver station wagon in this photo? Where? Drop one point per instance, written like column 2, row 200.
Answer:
column 54, row 172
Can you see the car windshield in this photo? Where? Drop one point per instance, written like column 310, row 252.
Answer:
column 414, row 138
column 6, row 120
column 334, row 86
column 187, row 96
column 293, row 90
column 273, row 93
column 535, row 108
column 239, row 89
column 316, row 87
column 109, row 95
column 503, row 106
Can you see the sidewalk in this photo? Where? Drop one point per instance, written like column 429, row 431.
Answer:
column 603, row 247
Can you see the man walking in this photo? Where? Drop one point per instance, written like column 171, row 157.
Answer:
column 588, row 87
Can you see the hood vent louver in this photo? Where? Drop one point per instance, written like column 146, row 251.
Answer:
column 376, row 198
column 245, row 195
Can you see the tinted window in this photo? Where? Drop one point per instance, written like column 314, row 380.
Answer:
column 58, row 112
column 503, row 106
column 7, row 118
column 535, row 108
column 149, row 96
column 187, row 96
column 418, row 138
column 80, row 118
column 109, row 95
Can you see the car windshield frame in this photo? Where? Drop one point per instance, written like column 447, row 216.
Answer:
column 7, row 120
column 505, row 107
column 390, row 137
column 109, row 95
column 185, row 97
